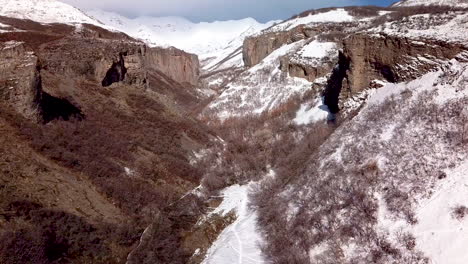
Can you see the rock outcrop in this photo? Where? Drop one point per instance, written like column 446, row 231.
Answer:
column 306, row 71
column 176, row 64
column 116, row 73
column 256, row 48
column 369, row 57
column 390, row 58
column 20, row 83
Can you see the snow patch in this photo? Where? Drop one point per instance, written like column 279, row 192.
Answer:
column 239, row 242
column 388, row 132
column 308, row 114
column 317, row 49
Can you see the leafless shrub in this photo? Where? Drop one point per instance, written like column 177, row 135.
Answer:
column 365, row 11
column 408, row 241
column 459, row 212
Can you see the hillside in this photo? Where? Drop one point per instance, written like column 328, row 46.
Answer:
column 366, row 72
column 97, row 143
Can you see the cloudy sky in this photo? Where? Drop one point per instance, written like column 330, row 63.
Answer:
column 210, row 10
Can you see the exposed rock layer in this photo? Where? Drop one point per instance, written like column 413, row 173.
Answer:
column 394, row 59
column 20, row 84
column 256, row 48
column 176, row 64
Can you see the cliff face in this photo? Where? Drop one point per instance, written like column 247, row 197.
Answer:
column 305, row 70
column 177, row 64
column 394, row 59
column 127, row 62
column 256, row 48
column 19, row 79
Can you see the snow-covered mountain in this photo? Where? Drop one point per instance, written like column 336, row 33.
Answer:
column 45, row 11
column 455, row 3
column 211, row 41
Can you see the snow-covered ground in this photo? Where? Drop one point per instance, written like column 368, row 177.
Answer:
column 315, row 52
column 451, row 27
column 310, row 113
column 441, row 236
column 405, row 157
column 240, row 241
column 336, row 15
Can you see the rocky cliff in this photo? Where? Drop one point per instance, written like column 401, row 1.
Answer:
column 256, row 48
column 369, row 57
column 177, row 64
column 20, row 85
column 391, row 58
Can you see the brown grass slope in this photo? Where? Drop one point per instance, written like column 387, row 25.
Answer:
column 79, row 183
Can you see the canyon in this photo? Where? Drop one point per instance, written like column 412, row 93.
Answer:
column 331, row 137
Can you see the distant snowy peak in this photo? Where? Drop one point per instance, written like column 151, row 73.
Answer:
column 200, row 38
column 456, row 3
column 45, row 11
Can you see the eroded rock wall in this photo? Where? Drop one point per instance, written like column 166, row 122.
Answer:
column 369, row 57
column 394, row 59
column 20, row 82
column 180, row 66
column 256, row 48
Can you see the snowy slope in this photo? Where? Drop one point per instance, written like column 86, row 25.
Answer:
column 211, row 41
column 405, row 155
column 441, row 236
column 45, row 11
column 239, row 242
column 261, row 88
column 438, row 233
column 267, row 85
column 451, row 27
column 456, row 3
column 336, row 15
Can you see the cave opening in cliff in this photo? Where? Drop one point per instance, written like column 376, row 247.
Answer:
column 335, row 84
column 53, row 108
column 116, row 73
column 386, row 72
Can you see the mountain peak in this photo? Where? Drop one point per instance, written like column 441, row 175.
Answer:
column 44, row 11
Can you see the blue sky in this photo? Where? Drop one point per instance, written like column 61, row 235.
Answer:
column 210, row 10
